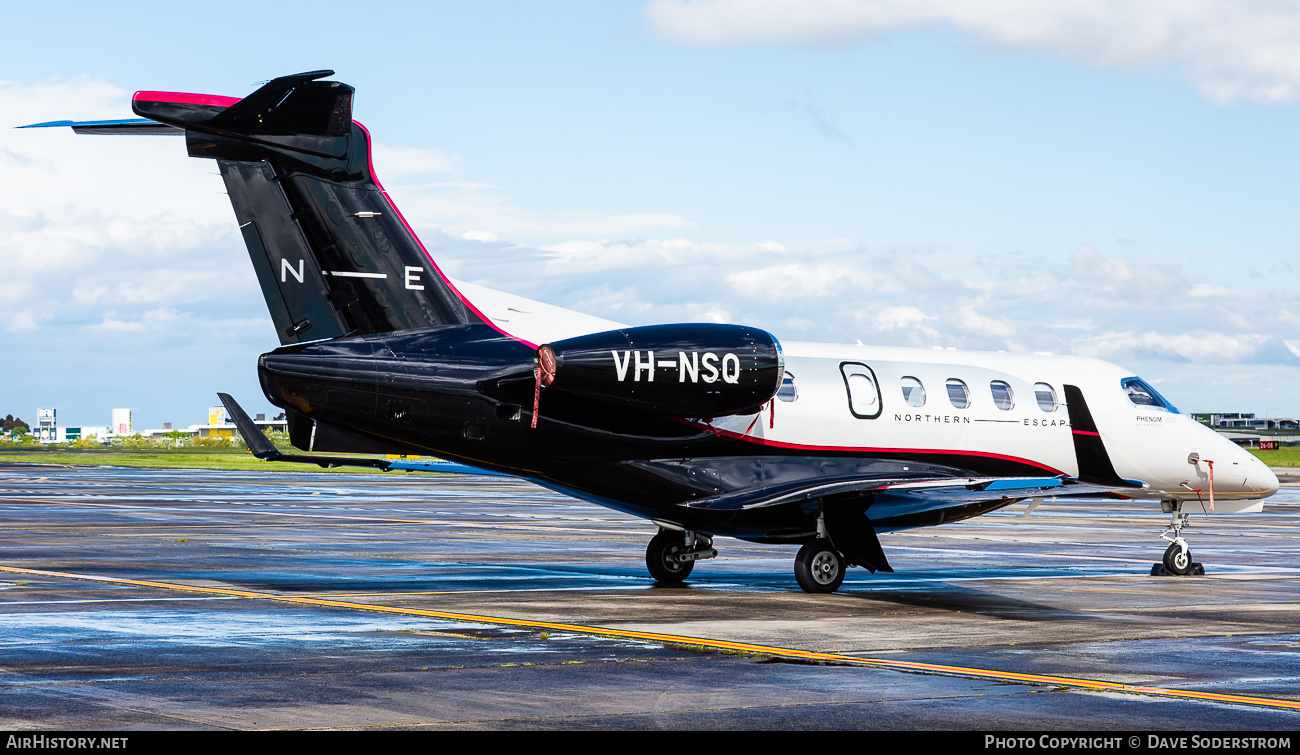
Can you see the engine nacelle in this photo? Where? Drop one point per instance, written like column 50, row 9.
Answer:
column 682, row 370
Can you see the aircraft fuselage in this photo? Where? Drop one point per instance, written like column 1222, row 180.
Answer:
column 466, row 393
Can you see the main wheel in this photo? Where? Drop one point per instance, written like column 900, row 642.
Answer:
column 819, row 567
column 660, row 557
column 1178, row 558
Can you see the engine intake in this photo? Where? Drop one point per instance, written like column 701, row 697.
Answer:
column 681, row 370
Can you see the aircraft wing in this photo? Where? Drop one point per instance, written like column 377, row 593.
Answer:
column 911, row 494
column 854, row 510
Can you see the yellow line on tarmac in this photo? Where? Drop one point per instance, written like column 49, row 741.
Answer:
column 896, row 665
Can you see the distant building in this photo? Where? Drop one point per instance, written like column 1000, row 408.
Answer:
column 74, row 434
column 228, row 429
column 218, row 426
column 122, row 422
column 1245, row 420
column 47, row 426
column 1245, row 429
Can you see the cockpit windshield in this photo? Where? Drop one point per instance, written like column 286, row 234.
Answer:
column 1142, row 394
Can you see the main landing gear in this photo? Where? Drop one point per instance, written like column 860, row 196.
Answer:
column 1178, row 556
column 672, row 554
column 818, row 567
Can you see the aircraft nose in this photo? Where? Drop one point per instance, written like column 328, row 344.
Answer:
column 1256, row 476
column 1238, row 470
column 1259, row 475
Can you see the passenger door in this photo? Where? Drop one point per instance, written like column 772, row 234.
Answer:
column 863, row 390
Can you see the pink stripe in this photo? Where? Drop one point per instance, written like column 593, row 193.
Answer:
column 1085, row 432
column 370, row 161
column 861, row 450
column 186, row 98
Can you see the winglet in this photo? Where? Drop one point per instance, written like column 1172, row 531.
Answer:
column 1095, row 466
column 258, row 443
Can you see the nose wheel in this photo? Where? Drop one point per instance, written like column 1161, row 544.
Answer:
column 1178, row 558
column 1177, row 561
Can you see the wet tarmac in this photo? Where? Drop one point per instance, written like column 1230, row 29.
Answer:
column 314, row 600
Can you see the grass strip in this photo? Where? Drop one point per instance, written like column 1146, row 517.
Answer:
column 236, row 459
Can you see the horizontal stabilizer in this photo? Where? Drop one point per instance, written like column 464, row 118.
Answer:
column 294, row 104
column 125, row 126
column 262, row 447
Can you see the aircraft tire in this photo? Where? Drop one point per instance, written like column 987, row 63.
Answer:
column 1178, row 559
column 819, row 568
column 663, row 545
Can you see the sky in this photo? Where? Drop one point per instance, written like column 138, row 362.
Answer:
column 1103, row 178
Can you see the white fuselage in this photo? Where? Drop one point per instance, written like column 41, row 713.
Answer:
column 1145, row 443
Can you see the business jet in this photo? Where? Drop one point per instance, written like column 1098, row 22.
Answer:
column 705, row 429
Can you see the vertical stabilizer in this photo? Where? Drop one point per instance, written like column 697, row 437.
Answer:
column 332, row 254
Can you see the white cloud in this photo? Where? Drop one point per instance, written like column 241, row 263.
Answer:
column 1119, row 276
column 1197, row 346
column 1112, row 306
column 801, row 279
column 1232, row 50
column 458, row 208
column 24, row 321
column 90, row 224
column 393, row 161
column 654, row 252
column 154, row 319
column 900, row 317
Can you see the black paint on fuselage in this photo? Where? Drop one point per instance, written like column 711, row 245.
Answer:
column 465, row 393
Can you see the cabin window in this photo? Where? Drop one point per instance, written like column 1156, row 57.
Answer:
column 1046, row 397
column 958, row 393
column 864, row 392
column 1003, row 398
column 913, row 392
column 788, row 391
column 1142, row 394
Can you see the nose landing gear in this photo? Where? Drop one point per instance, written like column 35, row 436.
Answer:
column 1178, row 556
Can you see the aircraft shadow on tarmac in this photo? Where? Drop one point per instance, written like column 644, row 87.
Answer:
column 956, row 598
